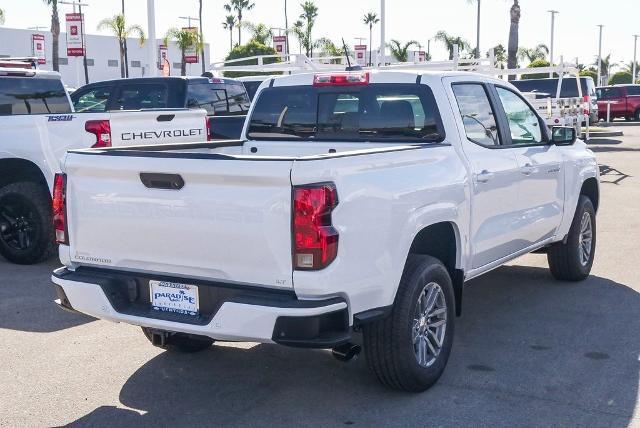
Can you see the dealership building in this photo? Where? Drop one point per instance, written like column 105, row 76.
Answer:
column 103, row 56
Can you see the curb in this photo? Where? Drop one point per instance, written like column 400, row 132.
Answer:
column 603, row 134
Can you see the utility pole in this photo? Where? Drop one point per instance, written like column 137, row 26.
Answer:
column 152, row 49
column 383, row 58
column 478, row 33
column 286, row 26
column 126, row 53
column 599, row 83
column 553, row 27
column 635, row 52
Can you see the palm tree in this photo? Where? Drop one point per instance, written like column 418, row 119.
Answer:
column 450, row 41
column 118, row 27
column 309, row 15
column 55, row 34
column 605, row 65
column 185, row 39
column 512, row 49
column 259, row 32
column 370, row 19
column 201, row 36
column 298, row 31
column 539, row 52
column 399, row 51
column 239, row 6
column 228, row 24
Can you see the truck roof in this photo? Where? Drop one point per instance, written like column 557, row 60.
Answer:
column 190, row 79
column 21, row 72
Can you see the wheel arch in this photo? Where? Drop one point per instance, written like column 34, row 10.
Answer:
column 591, row 189
column 442, row 241
column 13, row 170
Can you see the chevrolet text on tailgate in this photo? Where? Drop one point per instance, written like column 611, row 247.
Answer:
column 355, row 202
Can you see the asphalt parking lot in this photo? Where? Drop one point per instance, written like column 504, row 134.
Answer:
column 528, row 351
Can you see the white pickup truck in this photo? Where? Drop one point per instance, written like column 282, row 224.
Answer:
column 355, row 202
column 37, row 126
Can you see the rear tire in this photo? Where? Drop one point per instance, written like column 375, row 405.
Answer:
column 26, row 226
column 572, row 261
column 180, row 342
column 409, row 349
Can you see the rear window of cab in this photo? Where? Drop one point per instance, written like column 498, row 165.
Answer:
column 374, row 112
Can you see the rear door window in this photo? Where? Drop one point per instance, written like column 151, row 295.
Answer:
column 31, row 95
column 609, row 93
column 477, row 114
column 142, row 96
column 633, row 90
column 376, row 112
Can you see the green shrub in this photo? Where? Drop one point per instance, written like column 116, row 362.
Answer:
column 252, row 48
column 537, row 64
column 620, row 77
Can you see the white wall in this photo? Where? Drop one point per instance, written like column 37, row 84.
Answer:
column 17, row 42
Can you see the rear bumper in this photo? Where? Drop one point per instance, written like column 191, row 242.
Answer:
column 228, row 311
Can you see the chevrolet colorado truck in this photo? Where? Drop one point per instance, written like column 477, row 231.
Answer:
column 619, row 101
column 355, row 202
column 37, row 126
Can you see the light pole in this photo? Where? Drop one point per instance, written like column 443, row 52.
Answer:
column 635, row 52
column 152, row 49
column 553, row 27
column 600, row 56
column 126, row 51
column 383, row 47
column 478, row 33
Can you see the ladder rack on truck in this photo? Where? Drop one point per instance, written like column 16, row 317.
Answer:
column 555, row 110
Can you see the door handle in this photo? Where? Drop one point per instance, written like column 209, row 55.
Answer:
column 153, row 180
column 527, row 169
column 484, row 176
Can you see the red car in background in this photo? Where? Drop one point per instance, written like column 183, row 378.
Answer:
column 624, row 100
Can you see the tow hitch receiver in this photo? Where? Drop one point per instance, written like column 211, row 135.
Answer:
column 159, row 338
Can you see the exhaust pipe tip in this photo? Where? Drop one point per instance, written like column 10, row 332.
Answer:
column 346, row 352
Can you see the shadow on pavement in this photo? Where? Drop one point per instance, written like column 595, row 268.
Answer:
column 26, row 299
column 528, row 351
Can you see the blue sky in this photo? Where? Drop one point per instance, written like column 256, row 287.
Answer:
column 576, row 31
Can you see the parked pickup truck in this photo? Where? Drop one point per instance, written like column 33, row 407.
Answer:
column 622, row 101
column 354, row 202
column 37, row 126
column 225, row 100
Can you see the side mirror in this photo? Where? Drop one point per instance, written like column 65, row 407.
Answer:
column 563, row 135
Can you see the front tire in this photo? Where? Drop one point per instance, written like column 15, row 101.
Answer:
column 572, row 261
column 180, row 342
column 409, row 349
column 26, row 227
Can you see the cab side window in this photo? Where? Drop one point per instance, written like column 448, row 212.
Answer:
column 94, row 100
column 524, row 124
column 477, row 115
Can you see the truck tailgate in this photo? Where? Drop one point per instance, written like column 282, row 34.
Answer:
column 140, row 127
column 230, row 221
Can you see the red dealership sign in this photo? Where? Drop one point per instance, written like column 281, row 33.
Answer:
column 37, row 48
column 75, row 38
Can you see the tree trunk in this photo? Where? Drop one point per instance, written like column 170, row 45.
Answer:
column 126, row 53
column 201, row 38
column 370, row 42
column 230, row 39
column 123, row 72
column 512, row 60
column 183, row 65
column 55, row 36
column 239, row 28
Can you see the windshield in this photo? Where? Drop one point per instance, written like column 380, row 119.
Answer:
column 376, row 112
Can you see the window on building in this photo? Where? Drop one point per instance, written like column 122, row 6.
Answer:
column 90, row 62
column 63, row 61
column 177, row 65
column 112, row 63
column 135, row 64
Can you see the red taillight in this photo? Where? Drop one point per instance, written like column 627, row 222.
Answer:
column 587, row 104
column 102, row 131
column 60, row 209
column 315, row 240
column 208, row 128
column 343, row 79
